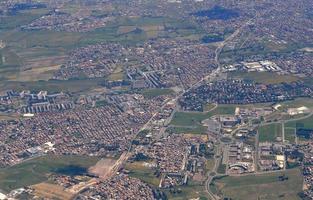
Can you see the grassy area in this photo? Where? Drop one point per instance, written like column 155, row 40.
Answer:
column 22, row 46
column 221, row 168
column 304, row 123
column 269, row 133
column 208, row 107
column 223, row 110
column 190, row 122
column 118, row 74
column 195, row 118
column 151, row 93
column 52, row 85
column 35, row 171
column 265, row 186
column 264, row 77
column 209, row 165
column 192, row 191
column 290, row 134
column 188, row 130
column 21, row 18
column 307, row 102
column 188, row 118
column 144, row 173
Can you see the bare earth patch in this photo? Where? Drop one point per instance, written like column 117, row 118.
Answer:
column 51, row 191
column 103, row 167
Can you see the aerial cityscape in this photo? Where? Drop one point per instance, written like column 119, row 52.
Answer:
column 156, row 99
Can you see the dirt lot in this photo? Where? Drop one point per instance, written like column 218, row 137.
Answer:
column 51, row 191
column 103, row 167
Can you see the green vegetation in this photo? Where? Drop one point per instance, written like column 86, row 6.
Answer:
column 191, row 191
column 188, row 118
column 36, row 170
column 269, row 133
column 21, row 18
column 142, row 172
column 117, row 75
column 290, row 135
column 208, row 107
column 151, row 93
column 212, row 38
column 209, row 165
column 27, row 46
column 264, row 77
column 307, row 102
column 191, row 130
column 101, row 103
column 304, row 123
column 221, row 168
column 146, row 174
column 223, row 110
column 52, row 85
column 195, row 118
column 190, row 122
column 263, row 186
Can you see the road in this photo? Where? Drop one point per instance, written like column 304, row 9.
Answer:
column 213, row 173
column 210, row 77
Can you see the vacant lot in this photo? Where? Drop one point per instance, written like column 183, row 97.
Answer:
column 265, row 186
column 102, row 167
column 51, row 191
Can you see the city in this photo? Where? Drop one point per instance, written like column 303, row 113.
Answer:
column 165, row 99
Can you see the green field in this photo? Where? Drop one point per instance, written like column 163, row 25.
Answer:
column 290, row 135
column 195, row 118
column 21, row 18
column 36, row 170
column 190, row 130
column 146, row 174
column 304, row 123
column 264, row 77
column 151, row 93
column 269, row 133
column 190, row 122
column 307, row 102
column 265, row 186
column 188, row 118
column 74, row 86
column 24, row 47
column 191, row 191
column 221, row 168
